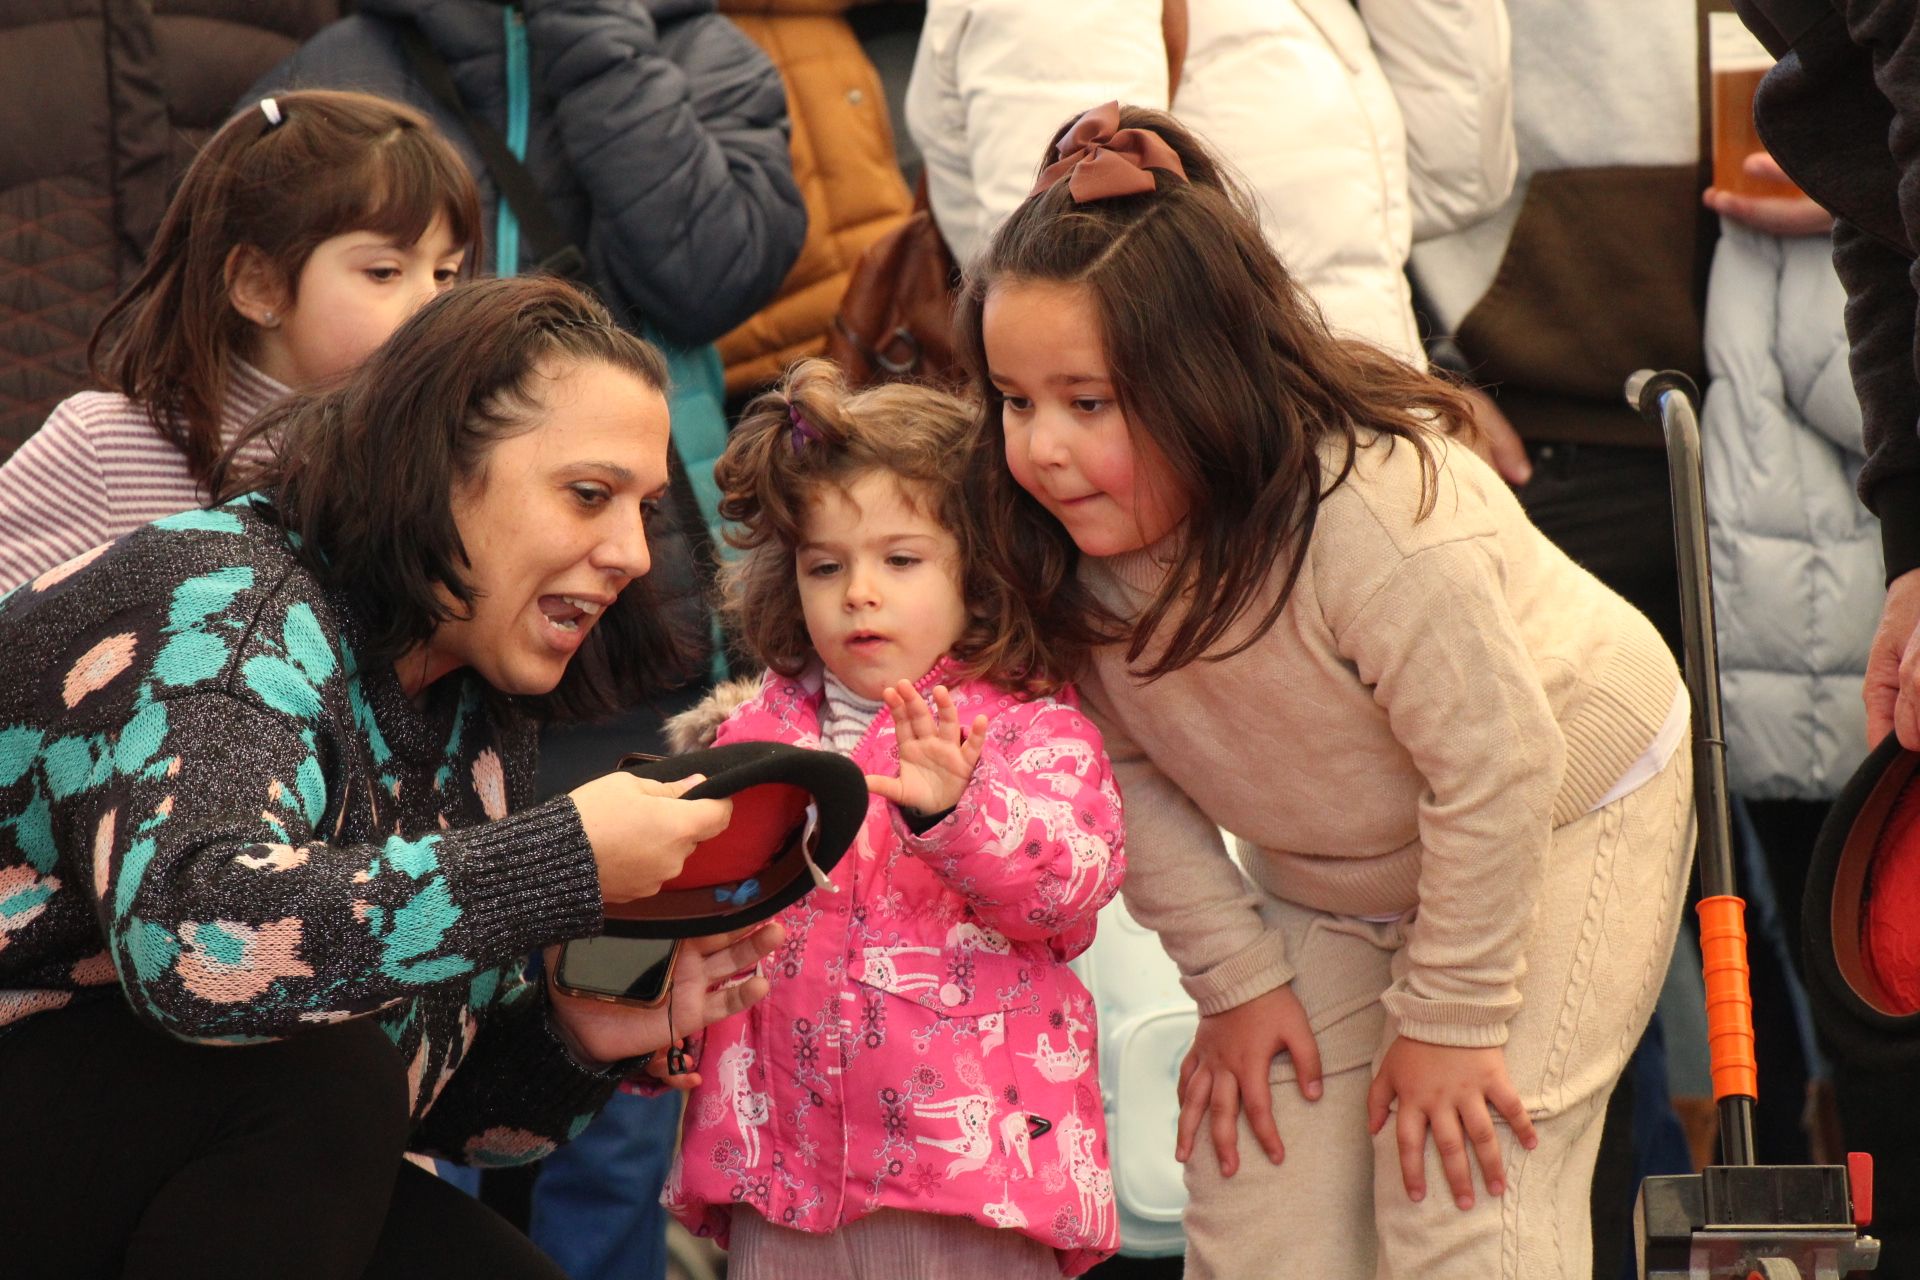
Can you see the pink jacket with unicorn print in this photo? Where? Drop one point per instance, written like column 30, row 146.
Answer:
column 924, row 1046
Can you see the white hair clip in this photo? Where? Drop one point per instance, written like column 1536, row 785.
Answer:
column 271, row 110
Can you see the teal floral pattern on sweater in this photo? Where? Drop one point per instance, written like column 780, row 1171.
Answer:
column 211, row 808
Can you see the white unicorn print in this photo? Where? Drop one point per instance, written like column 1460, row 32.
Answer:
column 750, row 1107
column 1094, row 1184
column 1069, row 1062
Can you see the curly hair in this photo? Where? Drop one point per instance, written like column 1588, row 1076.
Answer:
column 812, row 432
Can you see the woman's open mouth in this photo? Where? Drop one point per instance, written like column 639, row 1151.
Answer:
column 569, row 618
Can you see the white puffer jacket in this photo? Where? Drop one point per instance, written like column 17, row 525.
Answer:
column 1797, row 572
column 1356, row 130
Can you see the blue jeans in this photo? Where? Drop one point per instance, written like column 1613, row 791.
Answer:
column 596, row 1203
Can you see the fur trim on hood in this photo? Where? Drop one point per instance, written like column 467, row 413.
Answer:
column 695, row 729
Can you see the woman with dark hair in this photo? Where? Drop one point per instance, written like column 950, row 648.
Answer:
column 262, row 777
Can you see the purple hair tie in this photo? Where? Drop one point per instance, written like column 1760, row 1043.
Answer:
column 804, row 433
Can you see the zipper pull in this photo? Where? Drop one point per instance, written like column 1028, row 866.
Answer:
column 807, row 840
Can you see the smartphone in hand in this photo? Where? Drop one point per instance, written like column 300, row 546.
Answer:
column 630, row 971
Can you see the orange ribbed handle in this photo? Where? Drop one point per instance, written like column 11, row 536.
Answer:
column 1723, row 949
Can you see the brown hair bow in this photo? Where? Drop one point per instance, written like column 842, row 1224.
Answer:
column 1100, row 160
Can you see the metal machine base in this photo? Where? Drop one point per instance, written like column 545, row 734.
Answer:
column 1774, row 1222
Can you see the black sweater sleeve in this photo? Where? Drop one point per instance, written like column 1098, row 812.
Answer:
column 230, row 916
column 517, row 1094
column 1841, row 113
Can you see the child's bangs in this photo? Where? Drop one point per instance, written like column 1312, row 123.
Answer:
column 398, row 188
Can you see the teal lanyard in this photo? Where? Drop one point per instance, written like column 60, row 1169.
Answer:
column 506, row 258
column 507, row 263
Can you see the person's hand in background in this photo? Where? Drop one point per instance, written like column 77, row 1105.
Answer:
column 1492, row 437
column 1782, row 215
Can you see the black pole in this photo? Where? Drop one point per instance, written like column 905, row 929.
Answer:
column 1666, row 401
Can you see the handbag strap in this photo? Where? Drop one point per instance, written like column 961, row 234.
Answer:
column 1173, row 30
column 555, row 252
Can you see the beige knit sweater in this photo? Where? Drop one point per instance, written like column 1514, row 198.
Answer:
column 1436, row 697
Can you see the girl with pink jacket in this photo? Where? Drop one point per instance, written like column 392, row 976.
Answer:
column 917, row 1095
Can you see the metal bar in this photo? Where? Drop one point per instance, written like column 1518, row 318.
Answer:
column 1666, row 401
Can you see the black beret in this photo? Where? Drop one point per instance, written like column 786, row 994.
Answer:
column 795, row 812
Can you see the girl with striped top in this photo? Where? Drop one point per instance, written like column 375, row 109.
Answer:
column 302, row 235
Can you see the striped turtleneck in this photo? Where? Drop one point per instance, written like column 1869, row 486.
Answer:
column 98, row 470
column 845, row 716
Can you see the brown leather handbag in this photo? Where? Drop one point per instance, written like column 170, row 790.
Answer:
column 896, row 321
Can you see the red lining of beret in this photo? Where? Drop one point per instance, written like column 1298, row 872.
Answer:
column 1890, row 928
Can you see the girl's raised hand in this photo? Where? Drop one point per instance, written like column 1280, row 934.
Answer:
column 936, row 758
column 1227, row 1068
column 1445, row 1091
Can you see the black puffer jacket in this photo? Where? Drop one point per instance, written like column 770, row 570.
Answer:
column 656, row 131
column 102, row 104
column 1841, row 113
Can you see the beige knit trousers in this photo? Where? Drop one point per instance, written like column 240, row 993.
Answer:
column 1335, row 1208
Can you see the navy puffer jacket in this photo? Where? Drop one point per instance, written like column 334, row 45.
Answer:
column 657, row 132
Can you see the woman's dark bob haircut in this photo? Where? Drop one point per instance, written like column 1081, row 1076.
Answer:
column 365, row 475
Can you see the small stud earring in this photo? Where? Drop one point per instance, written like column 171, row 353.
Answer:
column 269, row 319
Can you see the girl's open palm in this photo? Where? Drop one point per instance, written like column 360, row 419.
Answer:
column 936, row 758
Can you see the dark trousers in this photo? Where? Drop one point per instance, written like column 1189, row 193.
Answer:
column 1609, row 508
column 129, row 1153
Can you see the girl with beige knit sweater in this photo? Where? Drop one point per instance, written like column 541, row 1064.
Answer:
column 1449, row 755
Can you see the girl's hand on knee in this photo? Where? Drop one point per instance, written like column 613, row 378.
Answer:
column 1228, row 1065
column 1446, row 1090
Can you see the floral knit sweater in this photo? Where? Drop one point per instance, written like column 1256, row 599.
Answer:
column 210, row 809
